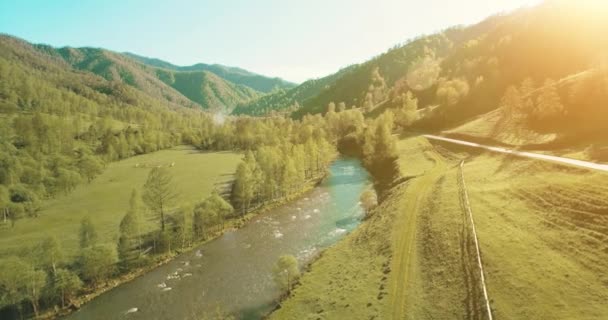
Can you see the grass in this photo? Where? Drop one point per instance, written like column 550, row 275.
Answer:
column 106, row 198
column 492, row 126
column 543, row 230
column 543, row 234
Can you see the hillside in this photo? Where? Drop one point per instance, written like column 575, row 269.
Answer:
column 207, row 89
column 186, row 88
column 464, row 72
column 233, row 74
column 288, row 100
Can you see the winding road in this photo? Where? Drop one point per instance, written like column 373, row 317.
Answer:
column 531, row 155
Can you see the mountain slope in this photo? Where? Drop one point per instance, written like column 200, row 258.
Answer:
column 464, row 72
column 235, row 75
column 289, row 100
column 186, row 88
column 207, row 88
column 118, row 69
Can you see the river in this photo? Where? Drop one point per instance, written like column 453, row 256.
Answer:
column 234, row 271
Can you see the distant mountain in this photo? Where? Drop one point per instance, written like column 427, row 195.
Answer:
column 94, row 74
column 207, row 89
column 117, row 68
column 183, row 87
column 235, row 75
column 290, row 99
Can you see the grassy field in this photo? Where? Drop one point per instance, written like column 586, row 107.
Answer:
column 106, row 198
column 542, row 228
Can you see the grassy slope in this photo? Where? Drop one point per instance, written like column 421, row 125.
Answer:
column 433, row 273
column 107, row 197
column 542, row 230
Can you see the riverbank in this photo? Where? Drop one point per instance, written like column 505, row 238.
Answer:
column 351, row 277
column 230, row 225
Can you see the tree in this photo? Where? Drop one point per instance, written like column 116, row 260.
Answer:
column 512, row 103
column 88, row 234
column 67, row 284
column 217, row 207
column 12, row 281
column 36, row 281
column 289, row 175
column 129, row 240
column 15, row 212
column 451, row 92
column 331, row 107
column 98, row 263
column 90, row 167
column 385, row 147
column 50, row 254
column 159, row 193
column 183, row 225
column 406, row 114
column 369, row 200
column 4, row 202
column 286, row 272
column 199, row 222
column 21, row 281
column 243, row 186
column 548, row 103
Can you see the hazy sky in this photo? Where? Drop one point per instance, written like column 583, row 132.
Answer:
column 295, row 40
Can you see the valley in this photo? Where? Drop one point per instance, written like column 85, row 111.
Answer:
column 458, row 174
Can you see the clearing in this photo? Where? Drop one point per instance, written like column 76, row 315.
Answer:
column 106, row 198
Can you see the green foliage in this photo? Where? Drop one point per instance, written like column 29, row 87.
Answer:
column 548, row 103
column 406, row 113
column 244, row 185
column 451, row 92
column 159, row 193
column 98, row 263
column 369, row 200
column 66, row 284
column 87, row 233
column 288, row 100
column 21, row 281
column 286, row 272
column 130, row 233
column 235, row 75
column 50, row 254
column 183, row 226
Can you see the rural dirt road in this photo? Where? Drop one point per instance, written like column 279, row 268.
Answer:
column 531, row 155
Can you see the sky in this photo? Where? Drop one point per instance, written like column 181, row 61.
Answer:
column 294, row 40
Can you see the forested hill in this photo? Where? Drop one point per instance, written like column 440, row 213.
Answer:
column 212, row 87
column 201, row 87
column 233, row 74
column 464, row 72
column 288, row 100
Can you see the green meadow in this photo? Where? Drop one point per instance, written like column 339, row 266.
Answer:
column 106, row 198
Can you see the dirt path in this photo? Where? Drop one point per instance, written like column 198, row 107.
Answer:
column 403, row 264
column 531, row 155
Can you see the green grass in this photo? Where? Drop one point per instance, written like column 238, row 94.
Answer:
column 543, row 231
column 493, row 126
column 106, row 198
column 543, row 234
